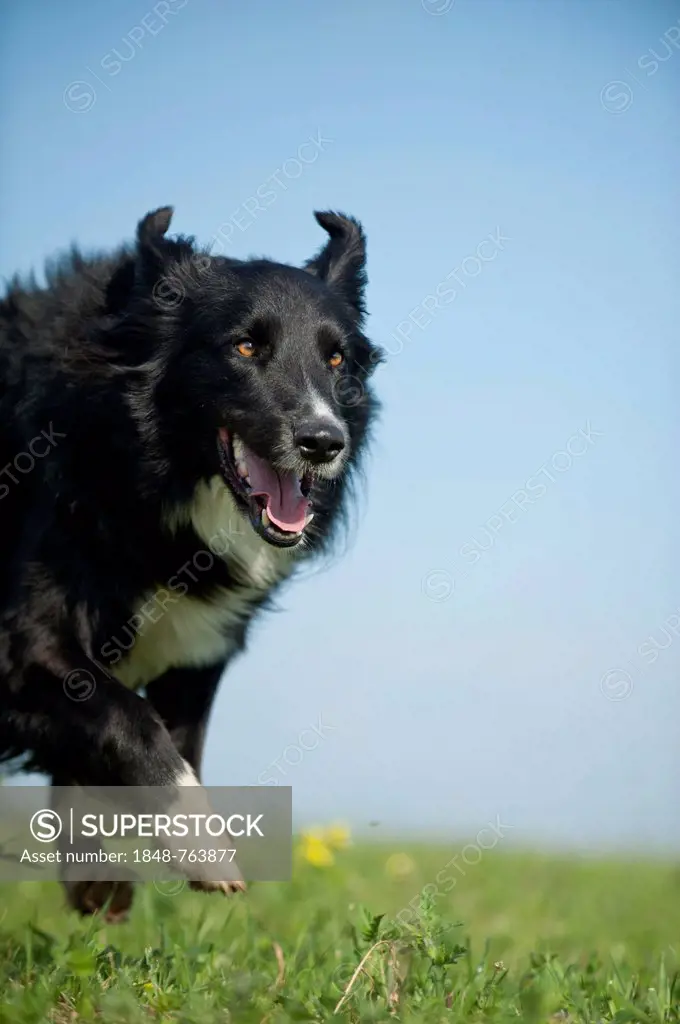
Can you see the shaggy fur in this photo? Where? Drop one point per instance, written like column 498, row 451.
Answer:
column 136, row 390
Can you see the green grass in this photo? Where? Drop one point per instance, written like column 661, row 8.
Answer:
column 517, row 937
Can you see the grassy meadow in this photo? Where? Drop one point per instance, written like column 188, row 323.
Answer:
column 364, row 933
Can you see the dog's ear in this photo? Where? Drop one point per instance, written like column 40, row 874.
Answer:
column 145, row 264
column 152, row 247
column 342, row 261
column 154, row 226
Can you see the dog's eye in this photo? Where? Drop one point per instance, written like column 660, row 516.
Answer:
column 245, row 348
column 336, row 360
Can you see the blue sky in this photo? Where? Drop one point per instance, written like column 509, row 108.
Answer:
column 468, row 651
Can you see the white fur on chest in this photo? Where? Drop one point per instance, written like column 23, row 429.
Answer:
column 188, row 632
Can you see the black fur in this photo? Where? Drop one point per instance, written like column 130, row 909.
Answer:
column 115, row 379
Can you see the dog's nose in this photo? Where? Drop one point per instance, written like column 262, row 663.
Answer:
column 319, row 440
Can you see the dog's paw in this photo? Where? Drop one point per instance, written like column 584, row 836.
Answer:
column 226, row 887
column 93, row 897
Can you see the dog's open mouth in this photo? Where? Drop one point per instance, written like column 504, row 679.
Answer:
column 275, row 500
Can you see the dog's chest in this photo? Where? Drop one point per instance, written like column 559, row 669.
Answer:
column 178, row 630
column 187, row 633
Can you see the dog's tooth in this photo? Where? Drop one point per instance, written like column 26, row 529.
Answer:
column 242, row 470
column 265, row 517
column 309, row 518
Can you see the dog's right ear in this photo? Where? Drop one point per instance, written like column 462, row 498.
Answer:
column 144, row 265
column 341, row 263
column 154, row 226
column 152, row 247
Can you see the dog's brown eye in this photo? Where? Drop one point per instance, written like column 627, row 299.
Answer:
column 246, row 348
column 336, row 360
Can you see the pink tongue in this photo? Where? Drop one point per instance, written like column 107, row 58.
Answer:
column 286, row 504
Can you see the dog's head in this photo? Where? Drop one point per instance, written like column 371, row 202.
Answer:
column 262, row 369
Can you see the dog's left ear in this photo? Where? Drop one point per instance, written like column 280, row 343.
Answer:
column 342, row 261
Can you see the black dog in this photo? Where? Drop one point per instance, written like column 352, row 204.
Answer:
column 177, row 431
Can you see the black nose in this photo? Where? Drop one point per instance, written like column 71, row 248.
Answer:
column 319, row 440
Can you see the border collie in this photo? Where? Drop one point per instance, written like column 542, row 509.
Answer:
column 178, row 431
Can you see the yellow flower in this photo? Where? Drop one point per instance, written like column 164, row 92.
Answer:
column 316, row 851
column 317, row 844
column 399, row 866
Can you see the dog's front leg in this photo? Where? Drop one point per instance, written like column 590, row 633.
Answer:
column 183, row 698
column 105, row 735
